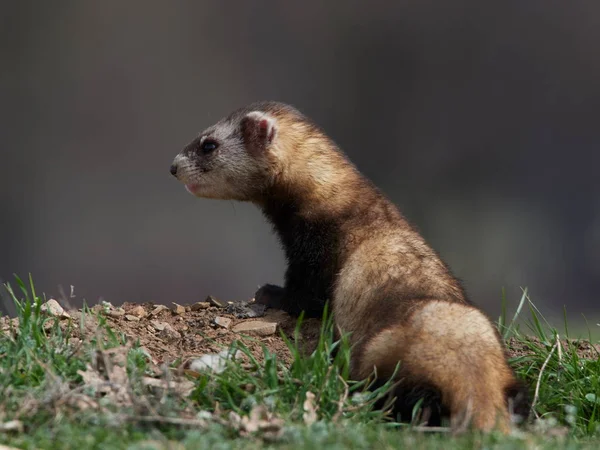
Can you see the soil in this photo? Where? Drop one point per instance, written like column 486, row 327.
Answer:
column 190, row 336
column 583, row 348
column 186, row 332
column 199, row 329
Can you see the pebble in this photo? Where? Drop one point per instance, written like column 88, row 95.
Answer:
column 215, row 302
column 178, row 309
column 169, row 333
column 200, row 305
column 158, row 325
column 115, row 313
column 138, row 311
column 53, row 308
column 223, row 322
column 257, row 328
column 158, row 310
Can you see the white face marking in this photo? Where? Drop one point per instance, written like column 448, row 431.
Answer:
column 221, row 132
column 259, row 115
column 228, row 173
column 181, row 162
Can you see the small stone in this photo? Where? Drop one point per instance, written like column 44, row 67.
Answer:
column 158, row 325
column 215, row 362
column 106, row 305
column 256, row 328
column 138, row 311
column 242, row 310
column 115, row 313
column 215, row 302
column 158, row 310
column 132, row 318
column 53, row 308
column 223, row 322
column 169, row 333
column 200, row 305
column 12, row 425
column 178, row 309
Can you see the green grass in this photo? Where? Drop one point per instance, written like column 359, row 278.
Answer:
column 284, row 389
column 568, row 386
column 41, row 370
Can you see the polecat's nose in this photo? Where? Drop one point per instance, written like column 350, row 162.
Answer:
column 174, row 170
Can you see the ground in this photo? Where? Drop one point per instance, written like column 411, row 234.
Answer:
column 193, row 330
column 198, row 333
column 159, row 376
column 191, row 333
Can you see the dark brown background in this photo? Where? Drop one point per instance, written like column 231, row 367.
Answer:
column 480, row 119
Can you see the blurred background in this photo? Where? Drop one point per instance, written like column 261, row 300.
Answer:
column 479, row 119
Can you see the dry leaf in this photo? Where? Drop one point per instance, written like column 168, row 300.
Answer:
column 260, row 420
column 12, row 425
column 182, row 387
column 310, row 412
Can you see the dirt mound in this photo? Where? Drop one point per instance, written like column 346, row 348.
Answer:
column 194, row 337
column 525, row 347
column 187, row 332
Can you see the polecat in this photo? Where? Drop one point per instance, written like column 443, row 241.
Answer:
column 346, row 243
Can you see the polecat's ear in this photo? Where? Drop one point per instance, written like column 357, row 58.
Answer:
column 259, row 130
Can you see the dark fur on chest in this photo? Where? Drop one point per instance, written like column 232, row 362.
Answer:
column 311, row 248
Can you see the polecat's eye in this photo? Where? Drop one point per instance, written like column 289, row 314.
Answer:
column 209, row 146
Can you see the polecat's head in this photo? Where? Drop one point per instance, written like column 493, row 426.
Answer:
column 236, row 158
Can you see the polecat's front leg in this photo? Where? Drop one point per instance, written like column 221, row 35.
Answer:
column 271, row 296
column 292, row 302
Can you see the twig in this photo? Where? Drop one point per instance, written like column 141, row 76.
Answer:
column 318, row 397
column 170, row 420
column 427, row 429
column 536, row 396
column 341, row 402
column 75, row 350
column 63, row 296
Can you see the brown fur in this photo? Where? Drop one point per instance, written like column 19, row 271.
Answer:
column 347, row 244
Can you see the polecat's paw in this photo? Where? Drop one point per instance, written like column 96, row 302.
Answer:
column 270, row 295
